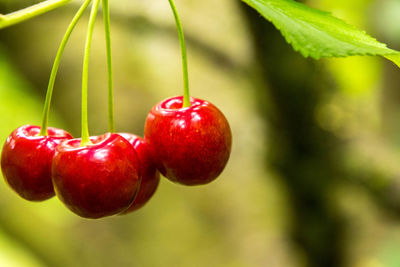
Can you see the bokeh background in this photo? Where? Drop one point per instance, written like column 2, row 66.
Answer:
column 314, row 175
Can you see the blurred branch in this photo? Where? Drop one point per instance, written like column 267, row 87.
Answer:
column 215, row 55
column 30, row 12
column 138, row 23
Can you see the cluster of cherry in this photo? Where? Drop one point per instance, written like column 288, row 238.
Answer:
column 188, row 140
column 119, row 173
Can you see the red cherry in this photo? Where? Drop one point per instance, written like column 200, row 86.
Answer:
column 26, row 161
column 191, row 145
column 96, row 180
column 150, row 175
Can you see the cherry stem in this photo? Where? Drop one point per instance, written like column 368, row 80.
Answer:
column 30, row 12
column 85, row 75
column 106, row 15
column 186, row 96
column 50, row 88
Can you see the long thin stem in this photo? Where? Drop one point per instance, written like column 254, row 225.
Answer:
column 46, row 109
column 85, row 75
column 186, row 96
column 30, row 12
column 106, row 15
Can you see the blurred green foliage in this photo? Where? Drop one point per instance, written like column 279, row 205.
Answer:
column 242, row 219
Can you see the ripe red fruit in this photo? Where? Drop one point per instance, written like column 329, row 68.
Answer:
column 96, row 180
column 149, row 173
column 190, row 145
column 26, row 161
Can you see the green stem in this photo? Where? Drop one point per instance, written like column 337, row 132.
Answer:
column 186, row 96
column 85, row 75
column 106, row 15
column 46, row 109
column 30, row 12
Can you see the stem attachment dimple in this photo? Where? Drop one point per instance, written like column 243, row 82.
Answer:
column 85, row 75
column 56, row 64
column 186, row 95
column 106, row 15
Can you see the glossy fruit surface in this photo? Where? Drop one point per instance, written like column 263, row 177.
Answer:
column 26, row 161
column 149, row 173
column 190, row 145
column 96, row 180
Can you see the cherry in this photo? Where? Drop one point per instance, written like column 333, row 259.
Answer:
column 26, row 161
column 98, row 179
column 191, row 145
column 150, row 175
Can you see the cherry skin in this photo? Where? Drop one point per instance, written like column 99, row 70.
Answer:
column 99, row 179
column 149, row 173
column 190, row 145
column 26, row 161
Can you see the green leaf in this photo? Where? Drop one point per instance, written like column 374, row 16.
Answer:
column 395, row 58
column 317, row 34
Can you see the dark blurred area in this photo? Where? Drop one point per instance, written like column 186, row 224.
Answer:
column 314, row 175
